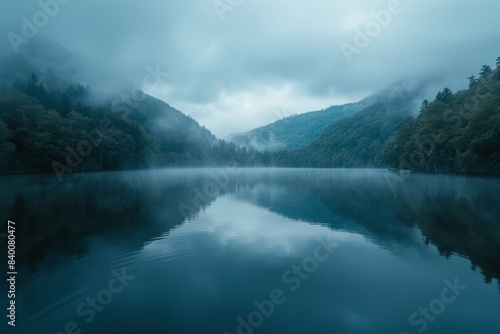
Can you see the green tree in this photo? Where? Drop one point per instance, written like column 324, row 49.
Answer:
column 394, row 150
column 445, row 96
column 485, row 71
column 463, row 139
column 424, row 105
column 472, row 81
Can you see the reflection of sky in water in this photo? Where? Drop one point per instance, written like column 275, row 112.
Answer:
column 230, row 223
column 202, row 275
column 355, row 290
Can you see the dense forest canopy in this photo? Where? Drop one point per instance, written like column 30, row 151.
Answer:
column 60, row 130
column 456, row 133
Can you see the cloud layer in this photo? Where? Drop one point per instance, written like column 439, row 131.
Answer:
column 232, row 74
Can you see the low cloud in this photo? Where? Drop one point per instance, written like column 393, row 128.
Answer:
column 230, row 74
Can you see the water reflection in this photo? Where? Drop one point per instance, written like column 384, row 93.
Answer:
column 204, row 247
column 458, row 215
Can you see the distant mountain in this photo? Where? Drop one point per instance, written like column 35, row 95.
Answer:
column 296, row 131
column 358, row 140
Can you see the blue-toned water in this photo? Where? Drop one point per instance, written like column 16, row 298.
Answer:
column 255, row 251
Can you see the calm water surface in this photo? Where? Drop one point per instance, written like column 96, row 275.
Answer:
column 254, row 251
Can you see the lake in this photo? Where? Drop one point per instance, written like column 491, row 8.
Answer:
column 254, row 251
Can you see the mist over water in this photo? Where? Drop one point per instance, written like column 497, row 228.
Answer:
column 211, row 244
column 356, row 145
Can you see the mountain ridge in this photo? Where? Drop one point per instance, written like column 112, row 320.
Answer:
column 295, row 131
column 358, row 140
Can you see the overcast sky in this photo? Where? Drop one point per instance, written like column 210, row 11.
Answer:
column 245, row 65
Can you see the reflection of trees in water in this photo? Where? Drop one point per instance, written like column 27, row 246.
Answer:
column 57, row 218
column 458, row 215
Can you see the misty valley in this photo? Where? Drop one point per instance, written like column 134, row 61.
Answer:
column 249, row 167
column 124, row 214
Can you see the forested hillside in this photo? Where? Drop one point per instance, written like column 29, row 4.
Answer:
column 43, row 129
column 356, row 141
column 296, row 131
column 457, row 132
column 63, row 129
column 61, row 112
